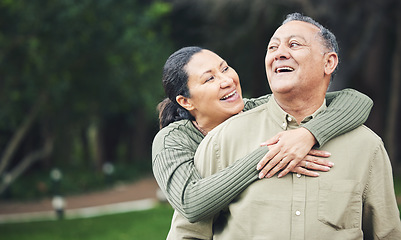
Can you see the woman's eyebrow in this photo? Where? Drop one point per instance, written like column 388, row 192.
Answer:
column 208, row 71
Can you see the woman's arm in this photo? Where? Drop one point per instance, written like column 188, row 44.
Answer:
column 347, row 109
column 194, row 197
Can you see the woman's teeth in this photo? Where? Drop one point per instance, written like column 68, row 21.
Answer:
column 229, row 95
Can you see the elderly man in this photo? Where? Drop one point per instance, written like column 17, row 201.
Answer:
column 354, row 200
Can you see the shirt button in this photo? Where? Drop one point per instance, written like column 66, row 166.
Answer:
column 284, row 125
column 289, row 119
column 297, row 213
column 298, row 175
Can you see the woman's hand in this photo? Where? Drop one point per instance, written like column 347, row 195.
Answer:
column 312, row 162
column 286, row 150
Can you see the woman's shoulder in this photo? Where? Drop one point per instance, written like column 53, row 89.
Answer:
column 255, row 102
column 180, row 135
column 176, row 132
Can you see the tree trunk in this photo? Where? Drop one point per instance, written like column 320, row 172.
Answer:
column 19, row 135
column 25, row 163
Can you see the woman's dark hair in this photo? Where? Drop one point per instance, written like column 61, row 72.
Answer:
column 175, row 83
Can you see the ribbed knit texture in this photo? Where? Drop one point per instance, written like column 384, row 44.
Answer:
column 348, row 109
column 195, row 198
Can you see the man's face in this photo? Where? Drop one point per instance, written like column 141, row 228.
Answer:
column 295, row 58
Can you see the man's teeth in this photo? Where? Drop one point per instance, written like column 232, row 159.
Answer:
column 228, row 95
column 284, row 69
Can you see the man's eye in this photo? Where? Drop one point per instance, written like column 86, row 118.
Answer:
column 294, row 44
column 272, row 47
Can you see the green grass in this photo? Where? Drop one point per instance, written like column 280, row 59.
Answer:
column 149, row 224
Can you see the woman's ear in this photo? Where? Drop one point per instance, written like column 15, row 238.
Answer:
column 184, row 102
column 331, row 62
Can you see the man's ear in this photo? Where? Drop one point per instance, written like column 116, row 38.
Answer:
column 331, row 59
column 184, row 102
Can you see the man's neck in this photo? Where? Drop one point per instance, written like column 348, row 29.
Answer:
column 299, row 107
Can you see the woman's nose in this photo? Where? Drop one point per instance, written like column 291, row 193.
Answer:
column 226, row 81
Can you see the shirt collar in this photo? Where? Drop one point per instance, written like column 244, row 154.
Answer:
column 284, row 119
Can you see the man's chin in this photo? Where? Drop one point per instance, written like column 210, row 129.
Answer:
column 286, row 89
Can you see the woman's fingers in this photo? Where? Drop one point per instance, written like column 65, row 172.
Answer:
column 268, row 156
column 280, row 164
column 319, row 153
column 305, row 172
column 271, row 141
column 288, row 169
column 314, row 166
column 319, row 161
column 270, row 164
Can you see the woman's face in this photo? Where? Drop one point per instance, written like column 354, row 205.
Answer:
column 215, row 91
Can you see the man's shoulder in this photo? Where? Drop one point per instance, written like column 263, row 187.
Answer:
column 361, row 137
column 365, row 132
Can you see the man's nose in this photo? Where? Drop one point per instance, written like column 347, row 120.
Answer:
column 281, row 53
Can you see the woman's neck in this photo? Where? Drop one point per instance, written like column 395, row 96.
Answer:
column 202, row 130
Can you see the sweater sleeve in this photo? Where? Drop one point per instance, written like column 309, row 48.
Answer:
column 197, row 198
column 347, row 110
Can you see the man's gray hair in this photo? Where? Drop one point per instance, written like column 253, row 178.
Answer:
column 329, row 39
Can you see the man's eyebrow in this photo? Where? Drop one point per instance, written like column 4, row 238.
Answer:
column 291, row 36
column 297, row 36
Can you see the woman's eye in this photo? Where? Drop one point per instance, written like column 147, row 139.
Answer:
column 294, row 44
column 209, row 79
column 225, row 69
column 271, row 47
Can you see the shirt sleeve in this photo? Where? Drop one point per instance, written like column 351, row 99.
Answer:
column 381, row 219
column 195, row 197
column 347, row 110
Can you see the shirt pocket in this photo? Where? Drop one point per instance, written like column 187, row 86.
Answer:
column 340, row 204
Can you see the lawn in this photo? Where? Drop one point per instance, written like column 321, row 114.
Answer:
column 149, row 224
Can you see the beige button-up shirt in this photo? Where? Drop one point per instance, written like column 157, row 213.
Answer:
column 354, row 200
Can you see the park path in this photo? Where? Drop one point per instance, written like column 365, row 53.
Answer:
column 145, row 188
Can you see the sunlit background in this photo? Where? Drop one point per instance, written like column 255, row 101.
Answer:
column 80, row 81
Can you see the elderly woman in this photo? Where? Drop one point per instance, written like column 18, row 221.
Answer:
column 203, row 91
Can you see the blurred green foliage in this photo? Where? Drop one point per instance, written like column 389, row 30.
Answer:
column 93, row 70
